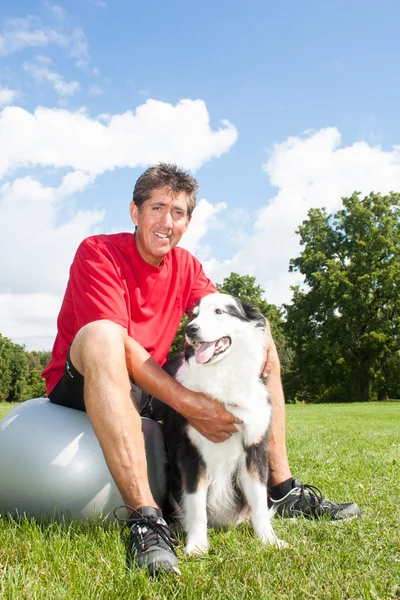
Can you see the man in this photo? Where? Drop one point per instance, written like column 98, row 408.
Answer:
column 122, row 307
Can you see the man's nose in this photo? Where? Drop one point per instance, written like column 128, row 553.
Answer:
column 166, row 219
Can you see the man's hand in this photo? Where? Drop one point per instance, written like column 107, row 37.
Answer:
column 210, row 418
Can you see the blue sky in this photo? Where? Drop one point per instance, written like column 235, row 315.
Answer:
column 276, row 107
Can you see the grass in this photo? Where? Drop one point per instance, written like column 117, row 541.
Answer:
column 351, row 451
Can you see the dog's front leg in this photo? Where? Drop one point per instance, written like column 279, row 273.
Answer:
column 255, row 491
column 195, row 519
column 194, row 497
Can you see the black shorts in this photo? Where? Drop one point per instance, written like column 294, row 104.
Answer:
column 69, row 393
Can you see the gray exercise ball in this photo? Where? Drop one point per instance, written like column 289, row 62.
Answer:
column 51, row 464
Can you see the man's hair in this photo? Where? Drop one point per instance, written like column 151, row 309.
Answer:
column 165, row 176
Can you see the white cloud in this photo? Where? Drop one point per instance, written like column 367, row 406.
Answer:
column 29, row 319
column 156, row 131
column 312, row 171
column 42, row 74
column 25, row 33
column 7, row 96
column 57, row 11
column 79, row 48
column 30, row 32
column 95, row 90
column 203, row 217
column 37, row 251
column 37, row 242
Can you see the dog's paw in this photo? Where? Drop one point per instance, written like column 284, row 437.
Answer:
column 281, row 543
column 196, row 547
column 268, row 537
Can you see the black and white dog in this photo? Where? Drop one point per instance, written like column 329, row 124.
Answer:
column 217, row 484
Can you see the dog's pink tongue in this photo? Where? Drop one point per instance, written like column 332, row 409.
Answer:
column 204, row 353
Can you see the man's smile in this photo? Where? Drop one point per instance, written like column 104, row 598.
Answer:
column 162, row 236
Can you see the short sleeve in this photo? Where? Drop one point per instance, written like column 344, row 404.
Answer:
column 97, row 284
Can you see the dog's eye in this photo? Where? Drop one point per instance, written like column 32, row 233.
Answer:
column 219, row 311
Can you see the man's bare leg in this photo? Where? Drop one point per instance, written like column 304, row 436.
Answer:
column 98, row 353
column 279, row 469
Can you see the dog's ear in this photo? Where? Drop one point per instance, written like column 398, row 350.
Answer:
column 252, row 313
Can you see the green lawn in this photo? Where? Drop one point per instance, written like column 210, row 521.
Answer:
column 351, row 451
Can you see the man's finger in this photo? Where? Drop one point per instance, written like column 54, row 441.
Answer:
column 231, row 428
column 217, row 439
column 236, row 420
column 223, row 436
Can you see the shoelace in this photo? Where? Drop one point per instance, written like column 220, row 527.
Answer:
column 156, row 528
column 310, row 494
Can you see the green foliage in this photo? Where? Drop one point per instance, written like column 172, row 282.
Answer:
column 14, row 371
column 36, row 385
column 344, row 326
column 5, row 370
column 38, row 359
column 179, row 339
column 20, row 372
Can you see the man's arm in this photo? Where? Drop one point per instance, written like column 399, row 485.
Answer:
column 208, row 416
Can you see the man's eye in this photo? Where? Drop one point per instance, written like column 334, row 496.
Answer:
column 219, row 311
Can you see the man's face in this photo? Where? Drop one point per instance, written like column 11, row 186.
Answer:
column 161, row 224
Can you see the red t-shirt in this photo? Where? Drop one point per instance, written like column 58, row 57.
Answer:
column 110, row 280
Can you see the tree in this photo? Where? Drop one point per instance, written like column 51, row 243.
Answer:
column 20, row 372
column 344, row 325
column 6, row 350
column 14, row 371
column 36, row 385
column 38, row 359
column 179, row 339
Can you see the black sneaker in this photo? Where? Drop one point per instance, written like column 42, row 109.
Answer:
column 150, row 540
column 307, row 500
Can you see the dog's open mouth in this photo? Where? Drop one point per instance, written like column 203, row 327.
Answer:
column 204, row 352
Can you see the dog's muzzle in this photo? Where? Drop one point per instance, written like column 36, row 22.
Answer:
column 205, row 352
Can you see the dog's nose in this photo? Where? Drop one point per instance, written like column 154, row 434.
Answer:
column 192, row 329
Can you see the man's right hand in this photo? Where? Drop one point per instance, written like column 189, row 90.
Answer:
column 210, row 417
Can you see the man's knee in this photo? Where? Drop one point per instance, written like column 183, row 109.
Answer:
column 95, row 341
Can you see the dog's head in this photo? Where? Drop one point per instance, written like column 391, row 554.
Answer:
column 219, row 323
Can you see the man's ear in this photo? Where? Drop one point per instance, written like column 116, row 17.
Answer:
column 187, row 223
column 133, row 209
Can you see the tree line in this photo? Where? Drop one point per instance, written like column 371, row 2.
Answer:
column 20, row 372
column 339, row 338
